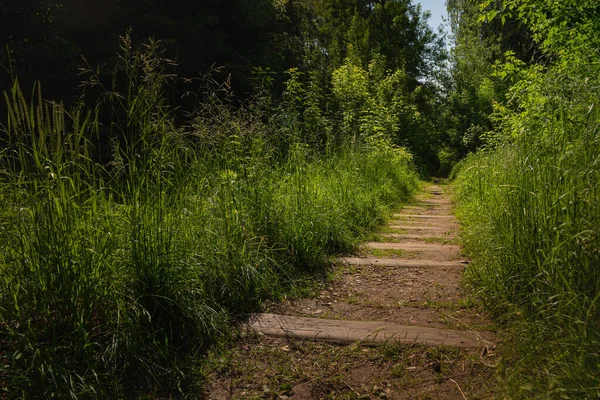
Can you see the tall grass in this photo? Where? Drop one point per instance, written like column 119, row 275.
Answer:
column 118, row 270
column 531, row 210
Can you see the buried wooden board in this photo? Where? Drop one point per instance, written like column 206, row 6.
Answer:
column 402, row 263
column 415, row 209
column 366, row 332
column 436, row 202
column 424, row 216
column 421, row 237
column 414, row 246
column 439, row 223
column 422, row 228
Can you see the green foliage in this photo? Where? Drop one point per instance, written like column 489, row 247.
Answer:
column 481, row 41
column 378, row 103
column 317, row 127
column 529, row 204
column 255, row 44
column 116, row 275
column 351, row 90
column 561, row 27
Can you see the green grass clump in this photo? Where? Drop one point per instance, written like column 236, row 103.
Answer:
column 129, row 245
column 530, row 210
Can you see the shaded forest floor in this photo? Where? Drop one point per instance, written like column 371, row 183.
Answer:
column 410, row 274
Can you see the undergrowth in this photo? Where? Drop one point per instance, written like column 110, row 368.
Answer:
column 130, row 244
column 530, row 211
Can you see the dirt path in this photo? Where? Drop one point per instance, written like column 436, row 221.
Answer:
column 394, row 322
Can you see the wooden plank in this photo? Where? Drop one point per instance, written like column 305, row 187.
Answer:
column 429, row 210
column 415, row 246
column 422, row 236
column 437, row 202
column 402, row 263
column 361, row 331
column 439, row 224
column 429, row 220
column 422, row 228
column 424, row 216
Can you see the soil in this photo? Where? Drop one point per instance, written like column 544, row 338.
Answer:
column 431, row 295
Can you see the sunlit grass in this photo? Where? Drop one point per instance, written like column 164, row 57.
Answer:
column 531, row 211
column 119, row 270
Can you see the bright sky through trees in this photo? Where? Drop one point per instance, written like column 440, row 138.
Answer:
column 438, row 10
